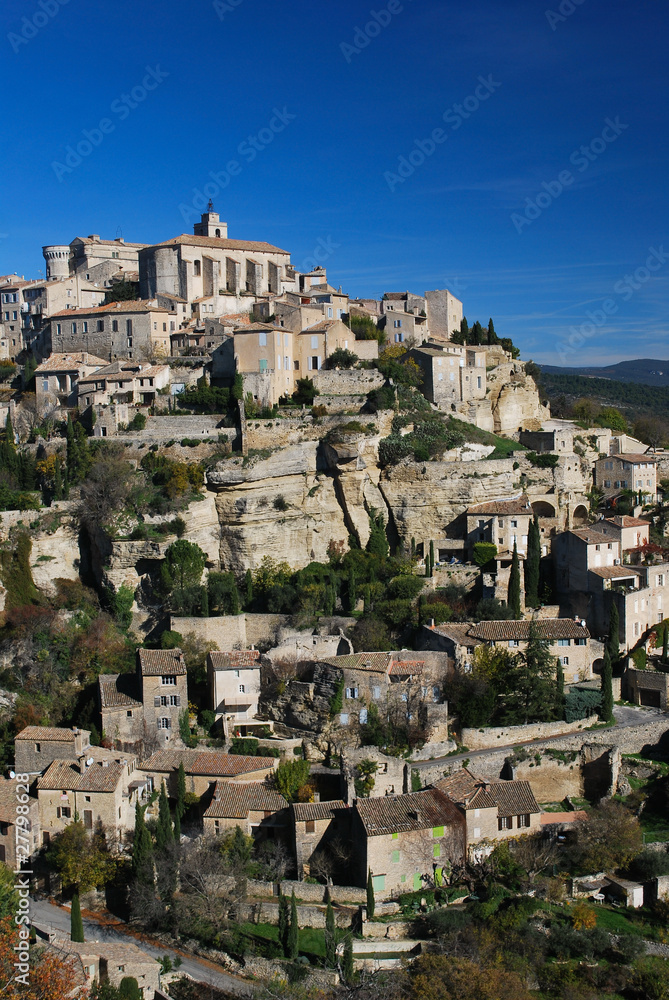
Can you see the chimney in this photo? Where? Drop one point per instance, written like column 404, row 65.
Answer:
column 317, row 796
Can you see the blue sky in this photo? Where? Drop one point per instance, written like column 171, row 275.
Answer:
column 357, row 97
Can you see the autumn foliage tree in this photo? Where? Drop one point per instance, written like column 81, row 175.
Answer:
column 51, row 976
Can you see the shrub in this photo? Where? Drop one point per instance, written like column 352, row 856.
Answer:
column 484, row 552
column 545, row 461
column 280, row 502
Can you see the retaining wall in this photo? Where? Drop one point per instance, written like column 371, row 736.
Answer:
column 484, row 739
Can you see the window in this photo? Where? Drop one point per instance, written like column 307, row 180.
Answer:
column 394, row 836
column 128, row 327
column 262, row 340
column 310, row 826
column 63, row 812
column 101, row 325
column 114, row 326
column 379, row 883
column 363, row 716
column 168, row 679
column 565, row 661
column 438, row 831
column 563, row 642
column 352, row 692
column 262, row 365
column 504, row 823
column 129, row 341
column 45, row 385
column 58, row 328
column 197, row 268
column 397, row 323
column 242, row 689
column 38, row 748
column 477, row 831
column 74, row 328
column 343, row 718
column 395, row 857
column 314, row 343
column 164, row 723
column 513, row 643
column 523, row 820
column 330, row 314
column 84, row 327
column 660, row 580
column 399, row 338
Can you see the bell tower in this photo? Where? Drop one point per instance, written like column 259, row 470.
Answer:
column 210, row 224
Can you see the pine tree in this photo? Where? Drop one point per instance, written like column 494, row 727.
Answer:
column 142, row 850
column 514, row 584
column 293, row 930
column 284, row 922
column 371, row 902
column 606, row 710
column 351, row 592
column 613, row 640
column 76, row 923
column 532, row 564
column 347, row 964
column 330, row 937
column 530, row 680
column 559, row 691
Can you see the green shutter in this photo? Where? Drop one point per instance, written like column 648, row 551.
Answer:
column 394, row 836
column 403, row 878
column 395, row 857
column 436, row 851
column 379, row 883
column 417, row 882
column 438, row 831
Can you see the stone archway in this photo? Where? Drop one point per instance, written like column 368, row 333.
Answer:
column 580, row 516
column 542, row 508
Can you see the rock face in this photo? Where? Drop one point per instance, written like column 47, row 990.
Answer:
column 514, row 399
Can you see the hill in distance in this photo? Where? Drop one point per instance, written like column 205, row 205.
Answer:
column 643, row 371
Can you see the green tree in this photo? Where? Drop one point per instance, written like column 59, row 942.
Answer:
column 83, row 862
column 76, row 923
column 351, row 592
column 532, row 564
column 330, row 937
column 142, row 850
column 559, row 691
column 204, row 602
column 182, row 568
column 665, row 643
column 164, row 830
column 284, row 922
column 610, row 838
column 248, row 584
column 180, row 808
column 341, row 358
column 514, row 584
column 377, row 544
column 305, row 391
column 238, row 387
column 529, row 694
column 347, row 963
column 431, row 558
column 371, row 901
column 291, row 776
column 606, row 710
column 293, row 930
column 613, row 638
column 492, row 337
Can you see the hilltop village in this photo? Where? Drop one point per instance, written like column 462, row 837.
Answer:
column 319, row 634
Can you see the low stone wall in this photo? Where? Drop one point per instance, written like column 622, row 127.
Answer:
column 194, row 425
column 309, row 892
column 484, row 739
column 308, row 916
column 341, row 382
column 233, row 631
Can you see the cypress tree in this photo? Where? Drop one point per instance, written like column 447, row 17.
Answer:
column 413, row 548
column 347, row 964
column 367, row 594
column 57, row 481
column 142, row 850
column 351, row 592
column 330, row 937
column 164, row 831
column 464, row 330
column 606, row 710
column 492, row 336
column 181, row 790
column 371, row 902
column 514, row 584
column 293, row 930
column 431, row 558
column 613, row 640
column 204, row 602
column 177, row 828
column 248, row 581
column 284, row 922
column 532, row 564
column 76, row 923
column 559, row 690
column 665, row 643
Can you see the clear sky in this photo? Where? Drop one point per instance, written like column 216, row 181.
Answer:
column 322, row 107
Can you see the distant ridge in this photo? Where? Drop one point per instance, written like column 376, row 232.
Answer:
column 645, row 371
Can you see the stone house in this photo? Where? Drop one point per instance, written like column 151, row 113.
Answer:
column 444, row 313
column 454, row 639
column 648, row 687
column 451, row 374
column 162, row 677
column 257, row 808
column 23, row 832
column 35, row 747
column 204, row 768
column 406, row 840
column 332, row 304
column 100, row 260
column 123, row 382
column 500, row 522
column 57, row 379
column 133, row 329
column 497, row 810
column 629, row 532
column 112, row 961
column 234, row 688
column 627, row 471
column 101, row 786
column 391, row 776
column 314, row 826
column 577, row 553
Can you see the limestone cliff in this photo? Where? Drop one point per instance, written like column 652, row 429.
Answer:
column 514, row 399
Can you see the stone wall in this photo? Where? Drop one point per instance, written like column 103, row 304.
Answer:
column 196, row 425
column 341, row 382
column 308, row 916
column 309, row 892
column 233, row 631
column 483, row 739
column 292, row 430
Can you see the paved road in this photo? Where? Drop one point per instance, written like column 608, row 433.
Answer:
column 625, row 716
column 47, row 917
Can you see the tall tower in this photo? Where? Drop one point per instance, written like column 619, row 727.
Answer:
column 57, row 259
column 211, row 225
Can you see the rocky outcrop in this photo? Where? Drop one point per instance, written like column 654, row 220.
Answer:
column 514, row 400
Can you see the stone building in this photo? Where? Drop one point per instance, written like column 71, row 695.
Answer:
column 24, row 832
column 629, row 532
column 93, row 258
column 578, row 553
column 493, row 811
column 315, row 825
column 391, row 776
column 406, row 840
column 648, row 687
column 35, row 747
column 257, row 808
column 123, row 382
column 113, row 961
column 204, row 768
column 451, row 374
column 444, row 313
column 129, row 329
column 503, row 523
column 234, row 688
column 101, row 786
column 163, row 681
column 628, row 471
column 57, row 379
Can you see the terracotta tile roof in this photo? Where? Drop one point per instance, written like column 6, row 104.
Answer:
column 118, row 690
column 549, row 819
column 458, row 633
column 397, row 296
column 155, row 662
column 625, row 521
column 69, row 363
column 206, row 762
column 375, row 662
column 406, row 668
column 591, row 536
column 321, row 327
column 504, row 508
column 131, row 306
column 303, row 811
column 613, row 572
column 635, row 458
column 513, row 798
column 8, row 800
column 235, row 800
column 234, row 660
column 218, row 243
column 459, row 786
column 546, row 628
column 510, row 798
column 96, row 778
column 47, row 733
column 260, row 328
column 173, row 298
column 403, row 813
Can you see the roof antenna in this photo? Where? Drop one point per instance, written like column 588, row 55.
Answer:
column 210, row 206
column 119, row 232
